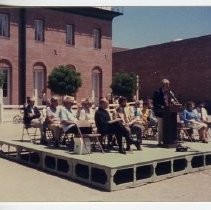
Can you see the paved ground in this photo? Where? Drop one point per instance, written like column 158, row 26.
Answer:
column 20, row 183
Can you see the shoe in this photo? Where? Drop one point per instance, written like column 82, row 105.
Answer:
column 43, row 142
column 138, row 146
column 109, row 147
column 56, row 144
column 204, row 141
column 122, row 151
column 128, row 148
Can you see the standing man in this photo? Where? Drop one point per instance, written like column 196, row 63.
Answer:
column 161, row 101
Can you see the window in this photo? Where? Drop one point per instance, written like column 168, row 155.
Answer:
column 39, row 82
column 39, row 30
column 70, row 34
column 5, row 73
column 96, row 85
column 4, row 25
column 97, row 38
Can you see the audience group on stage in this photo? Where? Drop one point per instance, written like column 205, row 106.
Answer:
column 196, row 117
column 125, row 121
column 130, row 122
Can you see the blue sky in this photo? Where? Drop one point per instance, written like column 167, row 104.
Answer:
column 141, row 26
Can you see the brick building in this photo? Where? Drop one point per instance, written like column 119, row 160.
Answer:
column 35, row 40
column 186, row 63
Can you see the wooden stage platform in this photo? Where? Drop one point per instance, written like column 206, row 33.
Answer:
column 109, row 171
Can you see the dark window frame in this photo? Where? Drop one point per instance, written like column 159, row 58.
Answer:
column 97, row 38
column 70, row 36
column 39, row 37
column 7, row 35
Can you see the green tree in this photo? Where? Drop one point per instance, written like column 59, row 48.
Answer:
column 124, row 84
column 64, row 80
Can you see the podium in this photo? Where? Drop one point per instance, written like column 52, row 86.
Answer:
column 170, row 125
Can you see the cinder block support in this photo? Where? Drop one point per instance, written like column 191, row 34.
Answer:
column 81, row 171
column 207, row 159
column 30, row 156
column 189, row 168
column 9, row 151
column 143, row 174
column 122, row 178
column 100, row 176
column 197, row 162
column 163, row 170
column 179, row 166
column 57, row 164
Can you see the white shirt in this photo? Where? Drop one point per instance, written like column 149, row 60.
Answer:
column 54, row 114
column 67, row 115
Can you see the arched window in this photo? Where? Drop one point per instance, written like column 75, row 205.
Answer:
column 6, row 69
column 96, row 84
column 39, row 82
column 71, row 66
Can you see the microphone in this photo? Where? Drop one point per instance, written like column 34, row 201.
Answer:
column 172, row 95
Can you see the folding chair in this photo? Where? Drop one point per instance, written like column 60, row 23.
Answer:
column 85, row 130
column 150, row 132
column 184, row 133
column 30, row 132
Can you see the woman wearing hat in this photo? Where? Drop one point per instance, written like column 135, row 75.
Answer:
column 85, row 112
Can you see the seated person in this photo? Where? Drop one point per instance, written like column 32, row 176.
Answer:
column 31, row 116
column 136, row 110
column 191, row 120
column 201, row 112
column 152, row 120
column 107, row 126
column 53, row 120
column 85, row 112
column 132, row 124
column 148, row 118
column 67, row 118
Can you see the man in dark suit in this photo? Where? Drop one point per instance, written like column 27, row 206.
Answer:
column 31, row 113
column 161, row 100
column 107, row 126
column 31, row 116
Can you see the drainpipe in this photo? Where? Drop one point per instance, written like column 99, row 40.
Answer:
column 22, row 56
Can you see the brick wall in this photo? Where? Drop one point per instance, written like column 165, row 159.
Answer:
column 186, row 63
column 9, row 51
column 54, row 52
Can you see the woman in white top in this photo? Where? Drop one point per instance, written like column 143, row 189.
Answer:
column 53, row 118
column 85, row 112
column 201, row 112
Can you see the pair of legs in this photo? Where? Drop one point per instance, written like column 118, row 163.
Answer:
column 119, row 130
column 203, row 134
column 36, row 123
column 202, row 130
column 160, row 130
column 56, row 131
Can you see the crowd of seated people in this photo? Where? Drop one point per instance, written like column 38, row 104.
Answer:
column 124, row 122
column 192, row 119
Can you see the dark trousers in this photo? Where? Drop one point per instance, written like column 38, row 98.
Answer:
column 119, row 130
column 137, row 130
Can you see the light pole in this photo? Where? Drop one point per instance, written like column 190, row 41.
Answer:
column 137, row 86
